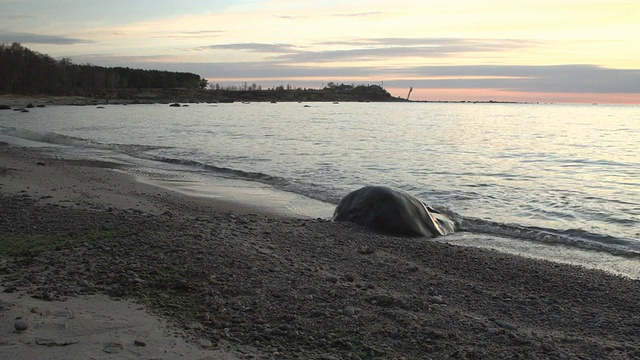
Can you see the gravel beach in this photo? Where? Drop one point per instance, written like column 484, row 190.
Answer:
column 251, row 284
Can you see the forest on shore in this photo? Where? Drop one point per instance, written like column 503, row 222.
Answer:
column 30, row 73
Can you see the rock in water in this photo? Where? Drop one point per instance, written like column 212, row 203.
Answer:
column 392, row 210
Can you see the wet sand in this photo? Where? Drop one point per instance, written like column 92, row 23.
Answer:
column 229, row 278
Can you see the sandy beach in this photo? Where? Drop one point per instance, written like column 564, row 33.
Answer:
column 97, row 265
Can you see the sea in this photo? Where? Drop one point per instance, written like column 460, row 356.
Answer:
column 557, row 182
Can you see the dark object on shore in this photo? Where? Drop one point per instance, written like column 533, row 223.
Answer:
column 20, row 325
column 392, row 210
column 99, row 107
column 41, row 105
column 18, row 109
column 175, row 105
column 24, row 110
column 30, row 106
column 5, row 107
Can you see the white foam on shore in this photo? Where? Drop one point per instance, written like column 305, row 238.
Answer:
column 262, row 197
column 626, row 266
column 25, row 142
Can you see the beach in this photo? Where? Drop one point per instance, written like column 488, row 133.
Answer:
column 227, row 280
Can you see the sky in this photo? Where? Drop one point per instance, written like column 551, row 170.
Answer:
column 584, row 51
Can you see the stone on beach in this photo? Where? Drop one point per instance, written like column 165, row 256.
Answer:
column 20, row 325
column 392, row 210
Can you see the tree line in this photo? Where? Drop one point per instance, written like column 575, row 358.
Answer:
column 23, row 71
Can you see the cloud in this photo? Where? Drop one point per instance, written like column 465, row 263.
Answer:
column 557, row 79
column 395, row 41
column 293, row 62
column 253, row 47
column 148, row 62
column 309, row 65
column 377, row 48
column 191, row 34
column 361, row 14
column 291, row 17
column 18, row 16
column 27, row 38
column 389, row 48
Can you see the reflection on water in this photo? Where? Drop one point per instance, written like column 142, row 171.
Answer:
column 571, row 168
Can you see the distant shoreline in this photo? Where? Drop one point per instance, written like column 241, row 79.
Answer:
column 18, row 102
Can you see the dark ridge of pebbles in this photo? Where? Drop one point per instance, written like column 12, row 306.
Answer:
column 310, row 288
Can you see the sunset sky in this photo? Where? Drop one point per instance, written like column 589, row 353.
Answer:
column 503, row 50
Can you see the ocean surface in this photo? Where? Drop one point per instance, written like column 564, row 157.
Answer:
column 558, row 182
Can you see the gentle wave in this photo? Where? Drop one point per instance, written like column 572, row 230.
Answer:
column 139, row 151
column 60, row 139
column 220, row 171
column 570, row 237
column 49, row 137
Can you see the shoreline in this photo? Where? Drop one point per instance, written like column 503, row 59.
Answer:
column 257, row 285
column 21, row 101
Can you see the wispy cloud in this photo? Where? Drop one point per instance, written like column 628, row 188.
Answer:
column 150, row 62
column 375, row 49
column 9, row 17
column 253, row 47
column 435, row 42
column 202, row 34
column 557, row 78
column 359, row 14
column 27, row 38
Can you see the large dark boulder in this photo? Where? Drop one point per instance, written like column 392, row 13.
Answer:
column 394, row 211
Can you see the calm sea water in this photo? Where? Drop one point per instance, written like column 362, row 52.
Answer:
column 543, row 180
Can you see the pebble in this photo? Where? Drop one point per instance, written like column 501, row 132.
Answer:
column 139, row 343
column 113, row 348
column 331, row 278
column 436, row 299
column 205, row 344
column 20, row 325
column 349, row 311
column 506, row 325
column 195, row 326
column 278, row 332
